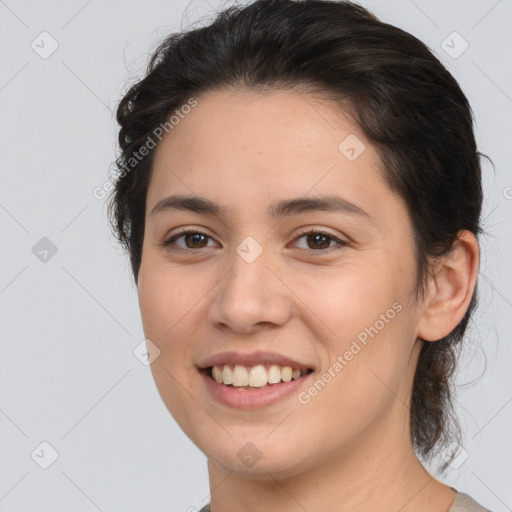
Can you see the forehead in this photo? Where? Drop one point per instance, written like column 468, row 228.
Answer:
column 280, row 138
column 250, row 121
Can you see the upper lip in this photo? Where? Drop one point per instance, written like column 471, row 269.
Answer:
column 252, row 359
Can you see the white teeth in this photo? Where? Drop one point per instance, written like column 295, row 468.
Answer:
column 274, row 374
column 286, row 373
column 240, row 376
column 227, row 375
column 217, row 374
column 256, row 376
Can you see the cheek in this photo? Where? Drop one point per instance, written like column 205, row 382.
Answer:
column 167, row 309
column 166, row 300
column 368, row 340
column 166, row 297
column 351, row 301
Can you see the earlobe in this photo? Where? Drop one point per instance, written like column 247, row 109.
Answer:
column 450, row 288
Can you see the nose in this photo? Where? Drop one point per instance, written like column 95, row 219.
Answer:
column 251, row 296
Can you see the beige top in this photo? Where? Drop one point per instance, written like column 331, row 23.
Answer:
column 465, row 503
column 462, row 503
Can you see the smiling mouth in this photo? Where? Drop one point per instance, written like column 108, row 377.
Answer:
column 254, row 377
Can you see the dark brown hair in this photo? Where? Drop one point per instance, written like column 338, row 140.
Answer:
column 397, row 91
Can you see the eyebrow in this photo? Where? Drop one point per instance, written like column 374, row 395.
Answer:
column 278, row 210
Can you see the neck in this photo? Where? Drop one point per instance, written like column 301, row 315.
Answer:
column 376, row 475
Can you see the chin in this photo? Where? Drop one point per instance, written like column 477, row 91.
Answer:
column 257, row 456
column 275, row 468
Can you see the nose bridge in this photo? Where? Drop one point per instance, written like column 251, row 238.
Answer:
column 249, row 294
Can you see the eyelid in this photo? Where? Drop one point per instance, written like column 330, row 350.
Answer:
column 321, row 231
column 166, row 243
column 318, row 231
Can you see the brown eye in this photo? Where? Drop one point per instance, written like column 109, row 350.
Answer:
column 193, row 240
column 318, row 241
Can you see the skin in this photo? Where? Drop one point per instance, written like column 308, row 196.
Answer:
column 349, row 448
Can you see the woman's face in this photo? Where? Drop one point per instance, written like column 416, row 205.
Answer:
column 251, row 290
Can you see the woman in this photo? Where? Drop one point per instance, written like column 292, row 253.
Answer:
column 299, row 193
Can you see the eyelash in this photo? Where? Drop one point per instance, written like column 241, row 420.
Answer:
column 167, row 243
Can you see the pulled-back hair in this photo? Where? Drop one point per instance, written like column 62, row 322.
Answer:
column 393, row 87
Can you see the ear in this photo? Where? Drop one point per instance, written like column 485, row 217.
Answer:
column 450, row 288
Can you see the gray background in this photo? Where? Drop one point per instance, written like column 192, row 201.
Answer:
column 70, row 320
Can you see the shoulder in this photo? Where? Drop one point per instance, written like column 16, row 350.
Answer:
column 465, row 503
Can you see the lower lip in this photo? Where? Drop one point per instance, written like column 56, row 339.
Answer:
column 252, row 398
